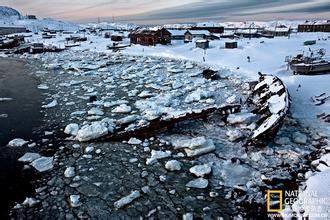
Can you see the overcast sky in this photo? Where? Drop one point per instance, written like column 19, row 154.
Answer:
column 172, row 10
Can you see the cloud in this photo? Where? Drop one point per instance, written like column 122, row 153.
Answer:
column 148, row 11
column 221, row 9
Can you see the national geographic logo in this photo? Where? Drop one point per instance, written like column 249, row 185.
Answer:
column 274, row 201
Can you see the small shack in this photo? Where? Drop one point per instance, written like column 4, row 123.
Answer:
column 116, row 38
column 203, row 43
column 231, row 45
column 31, row 17
column 107, row 35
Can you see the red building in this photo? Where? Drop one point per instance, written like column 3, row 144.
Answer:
column 150, row 37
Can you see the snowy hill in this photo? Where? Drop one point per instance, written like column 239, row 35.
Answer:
column 11, row 17
column 6, row 12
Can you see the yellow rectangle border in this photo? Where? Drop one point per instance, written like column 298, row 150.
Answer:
column 269, row 192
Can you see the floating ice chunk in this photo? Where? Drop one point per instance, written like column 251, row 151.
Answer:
column 189, row 66
column 197, row 95
column 78, row 113
column 173, row 165
column 234, row 135
column 194, row 146
column 17, row 142
column 174, row 70
column 200, row 170
column 241, row 118
column 72, row 129
column 43, row 164
column 155, row 155
column 30, row 202
column 95, row 111
column 51, row 104
column 6, row 99
column 231, row 99
column 282, row 141
column 89, row 149
column 114, row 103
column 29, row 157
column 126, row 200
column 128, row 119
column 75, row 201
column 189, row 143
column 299, row 138
column 188, row 216
column 134, row 141
column 145, row 94
column 123, row 108
column 69, row 172
column 199, row 183
column 43, row 87
column 205, row 148
column 176, row 84
column 92, row 131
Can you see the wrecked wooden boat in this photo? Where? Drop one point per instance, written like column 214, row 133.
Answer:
column 270, row 99
column 165, row 123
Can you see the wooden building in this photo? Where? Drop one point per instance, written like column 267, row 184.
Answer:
column 203, row 43
column 277, row 31
column 231, row 45
column 202, row 34
column 31, row 17
column 150, row 37
column 314, row 27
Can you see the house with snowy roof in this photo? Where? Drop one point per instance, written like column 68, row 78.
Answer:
column 148, row 37
column 200, row 34
column 177, row 34
column 277, row 31
column 317, row 26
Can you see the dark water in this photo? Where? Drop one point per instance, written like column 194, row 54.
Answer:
column 24, row 117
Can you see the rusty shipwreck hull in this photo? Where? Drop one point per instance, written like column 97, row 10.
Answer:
column 162, row 124
column 271, row 100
